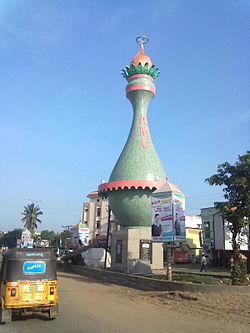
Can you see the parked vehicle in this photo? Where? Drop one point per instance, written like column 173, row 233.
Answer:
column 28, row 282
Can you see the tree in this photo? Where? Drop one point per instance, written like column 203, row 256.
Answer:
column 30, row 219
column 10, row 238
column 64, row 236
column 52, row 237
column 48, row 235
column 236, row 209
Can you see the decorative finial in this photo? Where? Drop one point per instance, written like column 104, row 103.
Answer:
column 141, row 63
column 141, row 40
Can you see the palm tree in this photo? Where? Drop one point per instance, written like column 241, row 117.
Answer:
column 30, row 219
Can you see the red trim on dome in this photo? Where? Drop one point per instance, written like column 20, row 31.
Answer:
column 122, row 184
column 140, row 87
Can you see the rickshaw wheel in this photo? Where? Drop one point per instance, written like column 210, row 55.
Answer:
column 5, row 315
column 53, row 312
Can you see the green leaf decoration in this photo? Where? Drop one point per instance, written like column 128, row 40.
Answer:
column 128, row 70
column 157, row 72
column 145, row 68
column 133, row 69
column 152, row 70
column 139, row 68
column 124, row 73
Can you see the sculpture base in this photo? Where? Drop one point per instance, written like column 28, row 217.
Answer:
column 133, row 252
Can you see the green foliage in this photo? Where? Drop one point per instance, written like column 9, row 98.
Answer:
column 30, row 219
column 51, row 236
column 200, row 279
column 236, row 209
column 238, row 272
column 133, row 70
column 10, row 238
column 196, row 278
column 64, row 235
column 48, row 235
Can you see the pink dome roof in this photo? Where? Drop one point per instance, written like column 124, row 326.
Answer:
column 141, row 57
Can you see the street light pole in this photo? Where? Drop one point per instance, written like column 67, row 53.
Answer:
column 107, row 239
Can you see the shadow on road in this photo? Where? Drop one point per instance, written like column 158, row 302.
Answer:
column 40, row 316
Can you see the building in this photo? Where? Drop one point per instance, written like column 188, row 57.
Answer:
column 193, row 245
column 95, row 217
column 193, row 235
column 217, row 237
column 207, row 226
column 193, row 221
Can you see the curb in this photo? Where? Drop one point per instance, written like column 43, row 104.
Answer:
column 145, row 283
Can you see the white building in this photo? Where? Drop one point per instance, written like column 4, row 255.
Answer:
column 223, row 236
column 95, row 216
column 217, row 237
column 193, row 221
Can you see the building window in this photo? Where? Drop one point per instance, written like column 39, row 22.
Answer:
column 119, row 251
column 98, row 224
column 145, row 250
column 207, row 229
column 98, row 211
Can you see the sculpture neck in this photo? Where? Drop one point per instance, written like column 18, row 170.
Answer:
column 140, row 100
column 139, row 160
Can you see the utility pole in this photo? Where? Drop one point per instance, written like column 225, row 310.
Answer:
column 168, row 248
column 67, row 227
column 107, row 239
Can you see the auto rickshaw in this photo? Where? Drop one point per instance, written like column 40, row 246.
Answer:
column 28, row 282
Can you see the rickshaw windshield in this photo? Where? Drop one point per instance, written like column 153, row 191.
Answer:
column 29, row 264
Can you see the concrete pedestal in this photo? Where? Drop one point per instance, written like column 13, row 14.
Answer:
column 133, row 252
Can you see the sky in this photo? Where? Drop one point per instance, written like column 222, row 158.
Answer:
column 64, row 116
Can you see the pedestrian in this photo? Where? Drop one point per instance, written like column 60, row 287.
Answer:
column 203, row 263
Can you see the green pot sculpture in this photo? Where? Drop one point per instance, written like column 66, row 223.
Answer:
column 138, row 171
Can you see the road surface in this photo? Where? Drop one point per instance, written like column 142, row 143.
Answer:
column 87, row 305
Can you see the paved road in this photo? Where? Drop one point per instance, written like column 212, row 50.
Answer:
column 89, row 306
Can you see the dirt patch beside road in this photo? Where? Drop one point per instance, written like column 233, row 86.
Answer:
column 229, row 308
column 119, row 309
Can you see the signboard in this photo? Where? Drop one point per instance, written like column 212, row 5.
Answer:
column 30, row 242
column 34, row 267
column 18, row 243
column 84, row 235
column 179, row 216
column 181, row 256
column 168, row 216
column 26, row 240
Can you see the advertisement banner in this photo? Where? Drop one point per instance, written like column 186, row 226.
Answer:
column 34, row 267
column 84, row 236
column 168, row 216
column 179, row 216
column 26, row 239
